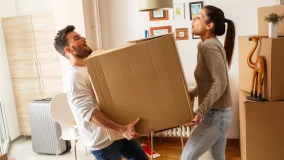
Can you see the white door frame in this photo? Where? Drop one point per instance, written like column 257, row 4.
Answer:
column 5, row 128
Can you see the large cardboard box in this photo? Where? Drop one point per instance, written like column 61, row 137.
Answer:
column 263, row 25
column 3, row 157
column 273, row 51
column 261, row 129
column 142, row 79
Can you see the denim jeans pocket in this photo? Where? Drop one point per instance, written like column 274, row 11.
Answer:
column 207, row 121
column 98, row 155
column 225, row 123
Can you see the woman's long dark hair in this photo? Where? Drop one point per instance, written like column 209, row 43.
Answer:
column 216, row 16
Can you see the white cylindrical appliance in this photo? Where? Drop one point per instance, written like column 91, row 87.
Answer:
column 151, row 5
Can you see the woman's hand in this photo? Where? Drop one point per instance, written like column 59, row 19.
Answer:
column 195, row 121
column 192, row 98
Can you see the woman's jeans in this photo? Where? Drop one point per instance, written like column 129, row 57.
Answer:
column 210, row 133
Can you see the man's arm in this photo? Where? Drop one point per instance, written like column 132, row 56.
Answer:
column 81, row 97
column 103, row 121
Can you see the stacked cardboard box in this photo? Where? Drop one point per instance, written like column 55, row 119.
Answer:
column 263, row 25
column 273, row 51
column 261, row 127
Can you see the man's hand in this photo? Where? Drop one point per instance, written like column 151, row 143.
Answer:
column 129, row 132
column 195, row 121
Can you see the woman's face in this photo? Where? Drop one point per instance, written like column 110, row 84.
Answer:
column 199, row 23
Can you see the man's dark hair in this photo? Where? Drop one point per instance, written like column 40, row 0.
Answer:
column 60, row 41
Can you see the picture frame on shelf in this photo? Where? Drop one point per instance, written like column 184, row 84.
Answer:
column 158, row 15
column 157, row 31
column 195, row 8
column 181, row 34
column 179, row 11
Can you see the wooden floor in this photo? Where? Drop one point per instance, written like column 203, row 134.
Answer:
column 170, row 148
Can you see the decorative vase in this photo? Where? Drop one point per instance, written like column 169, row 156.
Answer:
column 273, row 30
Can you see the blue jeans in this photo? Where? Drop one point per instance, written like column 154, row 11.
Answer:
column 210, row 133
column 130, row 150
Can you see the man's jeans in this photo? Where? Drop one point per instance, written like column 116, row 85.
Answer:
column 130, row 150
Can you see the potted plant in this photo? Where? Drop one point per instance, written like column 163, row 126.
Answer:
column 273, row 20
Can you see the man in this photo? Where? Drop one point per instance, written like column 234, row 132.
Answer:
column 92, row 123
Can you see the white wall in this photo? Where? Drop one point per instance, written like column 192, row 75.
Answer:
column 121, row 21
column 7, row 9
column 68, row 12
column 27, row 7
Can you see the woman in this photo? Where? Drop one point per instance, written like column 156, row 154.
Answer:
column 213, row 89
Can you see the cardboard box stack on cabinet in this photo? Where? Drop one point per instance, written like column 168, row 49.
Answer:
column 260, row 122
column 263, row 25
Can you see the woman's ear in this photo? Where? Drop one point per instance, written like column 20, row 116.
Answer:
column 210, row 26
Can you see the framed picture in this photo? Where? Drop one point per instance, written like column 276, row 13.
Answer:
column 179, row 11
column 195, row 8
column 157, row 31
column 159, row 15
column 195, row 37
column 181, row 34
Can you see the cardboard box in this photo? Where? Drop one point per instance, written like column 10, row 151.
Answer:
column 272, row 50
column 261, row 128
column 142, row 79
column 3, row 157
column 263, row 25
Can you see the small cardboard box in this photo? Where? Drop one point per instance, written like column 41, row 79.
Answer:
column 145, row 80
column 261, row 129
column 263, row 25
column 273, row 51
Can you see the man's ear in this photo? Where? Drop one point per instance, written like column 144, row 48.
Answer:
column 68, row 50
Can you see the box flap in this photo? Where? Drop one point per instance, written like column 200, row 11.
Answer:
column 147, row 39
column 101, row 52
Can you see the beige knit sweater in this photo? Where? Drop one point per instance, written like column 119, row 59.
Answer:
column 211, row 74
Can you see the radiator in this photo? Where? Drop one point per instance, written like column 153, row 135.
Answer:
column 175, row 132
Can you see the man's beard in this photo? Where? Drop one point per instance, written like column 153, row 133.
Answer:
column 83, row 53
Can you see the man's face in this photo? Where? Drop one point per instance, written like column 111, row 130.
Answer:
column 78, row 45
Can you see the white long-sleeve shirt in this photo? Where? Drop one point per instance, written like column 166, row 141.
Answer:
column 80, row 94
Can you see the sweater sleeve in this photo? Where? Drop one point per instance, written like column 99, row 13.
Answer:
column 214, row 61
column 194, row 91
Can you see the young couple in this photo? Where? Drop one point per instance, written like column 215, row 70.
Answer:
column 212, row 118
